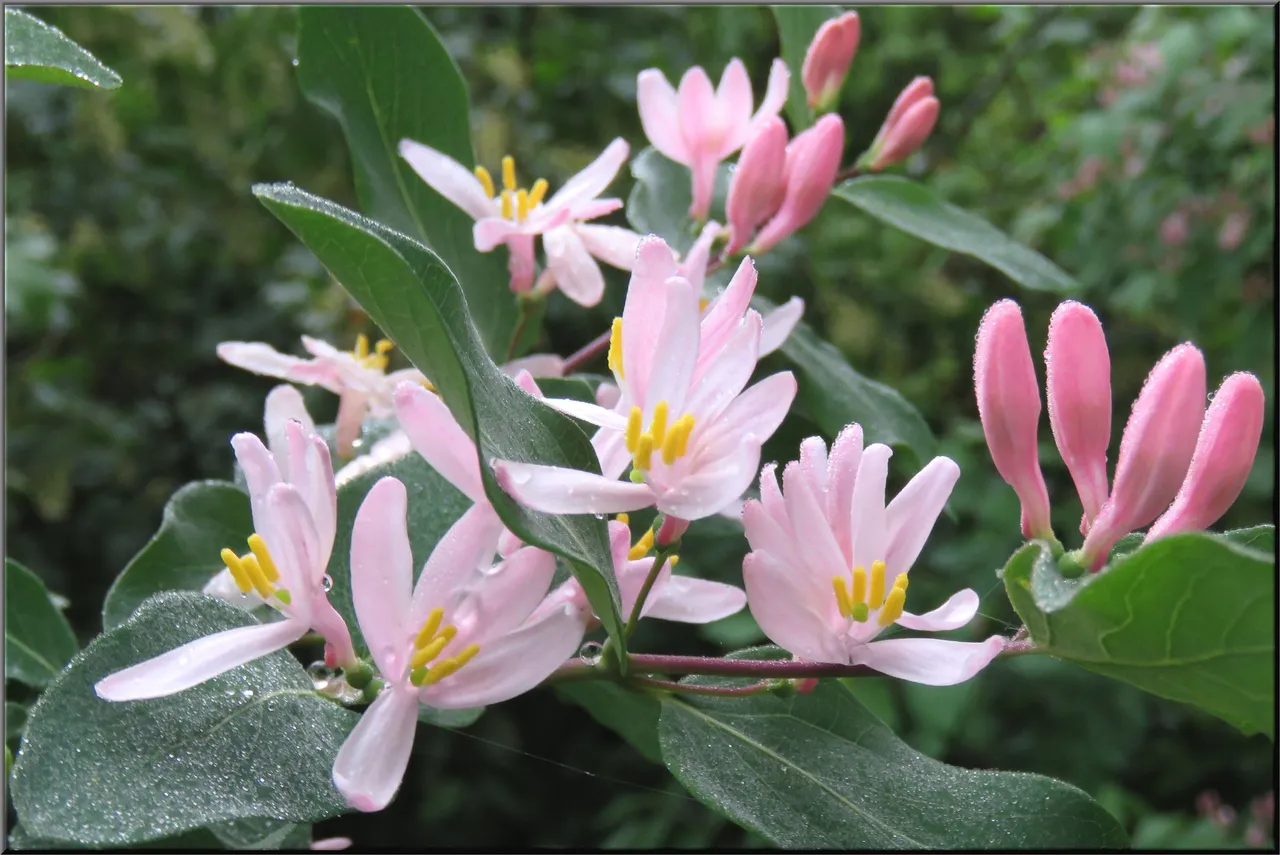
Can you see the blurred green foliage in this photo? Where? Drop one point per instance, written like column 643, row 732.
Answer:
column 1134, row 147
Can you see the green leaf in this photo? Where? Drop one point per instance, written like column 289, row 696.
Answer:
column 33, row 50
column 38, row 641
column 916, row 210
column 630, row 714
column 200, row 838
column 199, row 520
column 254, row 742
column 259, row 834
column 836, row 395
column 796, row 28
column 1189, row 617
column 412, row 296
column 819, row 771
column 383, row 73
column 660, row 199
column 1259, row 537
column 15, row 721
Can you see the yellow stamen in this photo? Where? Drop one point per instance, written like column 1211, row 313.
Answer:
column 658, row 427
column 243, row 582
column 506, row 204
column 450, row 666
column 685, row 425
column 671, row 447
column 384, row 346
column 426, row 654
column 486, row 181
column 642, row 547
column 615, row 348
column 255, row 574
column 362, row 346
column 633, row 428
column 674, row 560
column 901, row 581
column 522, row 204
column 623, row 517
column 259, row 548
column 644, row 451
column 703, row 303
column 859, row 584
column 842, row 596
column 429, row 628
column 539, row 190
column 509, row 172
column 892, row 606
column 876, row 597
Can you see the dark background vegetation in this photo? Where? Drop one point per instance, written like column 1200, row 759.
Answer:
column 1134, row 147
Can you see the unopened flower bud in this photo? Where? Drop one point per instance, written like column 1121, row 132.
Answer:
column 759, row 182
column 827, row 60
column 1224, row 455
column 1155, row 450
column 813, row 159
column 909, row 123
column 670, row 531
column 1004, row 379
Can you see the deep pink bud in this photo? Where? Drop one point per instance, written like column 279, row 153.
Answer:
column 827, row 60
column 813, row 159
column 1009, row 406
column 909, row 123
column 1155, row 450
column 759, row 182
column 671, row 530
column 1078, row 387
column 1223, row 457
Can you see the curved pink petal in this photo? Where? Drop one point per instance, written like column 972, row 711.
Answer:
column 449, row 178
column 464, row 550
column 592, row 180
column 259, row 358
column 778, row 325
column 775, row 93
column 284, row 403
column 929, row 661
column 757, row 412
column 290, row 535
column 438, row 437
column 556, row 490
column 511, row 590
column 771, row 498
column 198, row 661
column 953, row 614
column 590, row 413
column 778, row 605
column 867, row 512
column 613, row 245
column 715, row 484
column 911, row 515
column 493, row 231
column 382, row 575
column 591, row 210
column 575, row 271
column 537, row 364
column 842, row 472
column 371, row 763
column 659, row 114
column 815, row 545
column 813, row 463
column 763, row 530
column 733, row 101
column 260, row 471
column 644, row 310
column 727, row 311
column 694, row 264
column 689, row 600
column 721, row 378
column 311, row 471
column 353, row 405
column 611, row 449
column 676, row 351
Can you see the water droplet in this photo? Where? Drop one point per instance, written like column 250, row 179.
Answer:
column 598, row 516
column 320, row 675
column 326, row 582
column 590, row 651
column 295, row 62
column 247, row 693
column 357, row 443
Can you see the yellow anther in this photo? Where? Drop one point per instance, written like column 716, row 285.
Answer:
column 506, row 204
column 859, row 584
column 673, row 560
column 671, row 446
column 362, row 346
column 429, row 628
column 426, row 654
column 892, row 606
column 243, row 582
column 644, row 451
column 259, row 548
column 842, row 596
column 658, row 427
column 642, row 547
column 680, row 430
column 633, row 428
column 875, row 598
column 702, row 304
column 901, row 581
column 384, row 346
column 255, row 574
column 486, row 181
column 615, row 348
column 509, row 172
column 623, row 517
column 450, row 666
column 537, row 193
column 522, row 204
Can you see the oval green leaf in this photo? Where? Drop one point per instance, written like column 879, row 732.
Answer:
column 38, row 641
column 33, row 50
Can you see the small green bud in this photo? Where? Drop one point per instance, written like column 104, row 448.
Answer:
column 1070, row 566
column 358, row 675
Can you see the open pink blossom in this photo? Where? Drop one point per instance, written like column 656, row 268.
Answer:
column 515, row 216
column 296, row 520
column 683, row 423
column 462, row 636
column 699, row 126
column 358, row 377
column 827, row 571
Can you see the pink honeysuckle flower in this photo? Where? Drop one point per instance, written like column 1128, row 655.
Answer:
column 1155, row 451
column 700, row 126
column 572, row 251
column 358, row 377
column 296, row 520
column 827, row 60
column 909, row 123
column 1009, row 406
column 463, row 636
column 515, row 216
column 827, row 571
column 1224, row 455
column 1078, row 387
column 813, row 160
column 759, row 182
column 683, row 421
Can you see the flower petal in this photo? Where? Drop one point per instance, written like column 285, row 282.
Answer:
column 259, row 358
column 866, row 514
column 382, row 575
column 778, row 325
column 311, row 471
column 721, row 378
column 449, row 178
column 816, row 548
column 611, row 449
column 842, row 472
column 726, row 312
column 575, row 271
column 371, row 763
column 689, row 600
column 775, row 93
column 911, row 515
column 659, row 114
column 511, row 590
column 291, row 537
column 930, row 661
column 465, row 548
column 260, row 471
column 763, row 531
column 613, row 245
column 643, row 312
column 284, row 403
column 590, row 413
column 676, row 351
column 537, row 364
column 591, row 181
column 556, row 490
column 198, row 661
column 719, row 480
column 953, row 614
column 438, row 437
column 756, row 412
column 788, row 620
column 733, row 101
column 493, row 231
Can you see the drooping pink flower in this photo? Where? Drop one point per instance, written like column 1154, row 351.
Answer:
column 827, row 571
column 700, row 126
column 909, row 123
column 813, row 160
column 463, row 636
column 515, row 216
column 1009, row 405
column 682, row 421
column 1223, row 456
column 295, row 516
column 827, row 60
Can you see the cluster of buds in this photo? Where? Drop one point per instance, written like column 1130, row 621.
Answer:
column 1177, row 462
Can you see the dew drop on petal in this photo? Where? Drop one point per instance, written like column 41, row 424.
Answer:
column 326, row 583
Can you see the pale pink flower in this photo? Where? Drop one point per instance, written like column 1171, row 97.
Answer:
column 827, row 60
column 1223, row 456
column 515, row 216
column 827, row 571
column 700, row 126
column 1174, row 228
column 330, row 844
column 682, row 421
column 909, row 123
column 1233, row 231
column 813, row 160
column 295, row 515
column 463, row 636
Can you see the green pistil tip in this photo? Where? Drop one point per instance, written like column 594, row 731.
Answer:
column 283, row 596
column 860, row 612
column 637, row 476
column 417, row 675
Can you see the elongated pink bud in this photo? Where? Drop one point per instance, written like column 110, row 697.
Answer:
column 1009, row 405
column 827, row 60
column 1223, row 457
column 813, row 159
column 1155, row 450
column 759, row 182
column 1078, row 387
column 909, row 123
column 671, row 530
